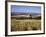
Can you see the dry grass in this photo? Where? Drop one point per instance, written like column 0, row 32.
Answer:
column 26, row 24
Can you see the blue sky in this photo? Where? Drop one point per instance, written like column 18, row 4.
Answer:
column 18, row 8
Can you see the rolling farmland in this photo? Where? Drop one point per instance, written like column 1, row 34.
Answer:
column 25, row 23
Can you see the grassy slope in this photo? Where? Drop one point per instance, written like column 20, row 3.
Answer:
column 23, row 25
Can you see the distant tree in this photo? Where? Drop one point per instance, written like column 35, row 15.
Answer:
column 30, row 16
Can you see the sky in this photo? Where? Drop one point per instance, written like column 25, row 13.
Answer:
column 20, row 8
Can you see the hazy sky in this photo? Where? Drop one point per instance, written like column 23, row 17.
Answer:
column 17, row 8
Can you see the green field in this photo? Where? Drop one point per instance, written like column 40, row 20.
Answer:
column 25, row 24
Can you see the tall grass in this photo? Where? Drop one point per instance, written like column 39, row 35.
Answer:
column 25, row 24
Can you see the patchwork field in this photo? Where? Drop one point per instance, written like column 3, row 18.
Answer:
column 25, row 24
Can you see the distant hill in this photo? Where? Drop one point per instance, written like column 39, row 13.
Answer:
column 24, row 13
